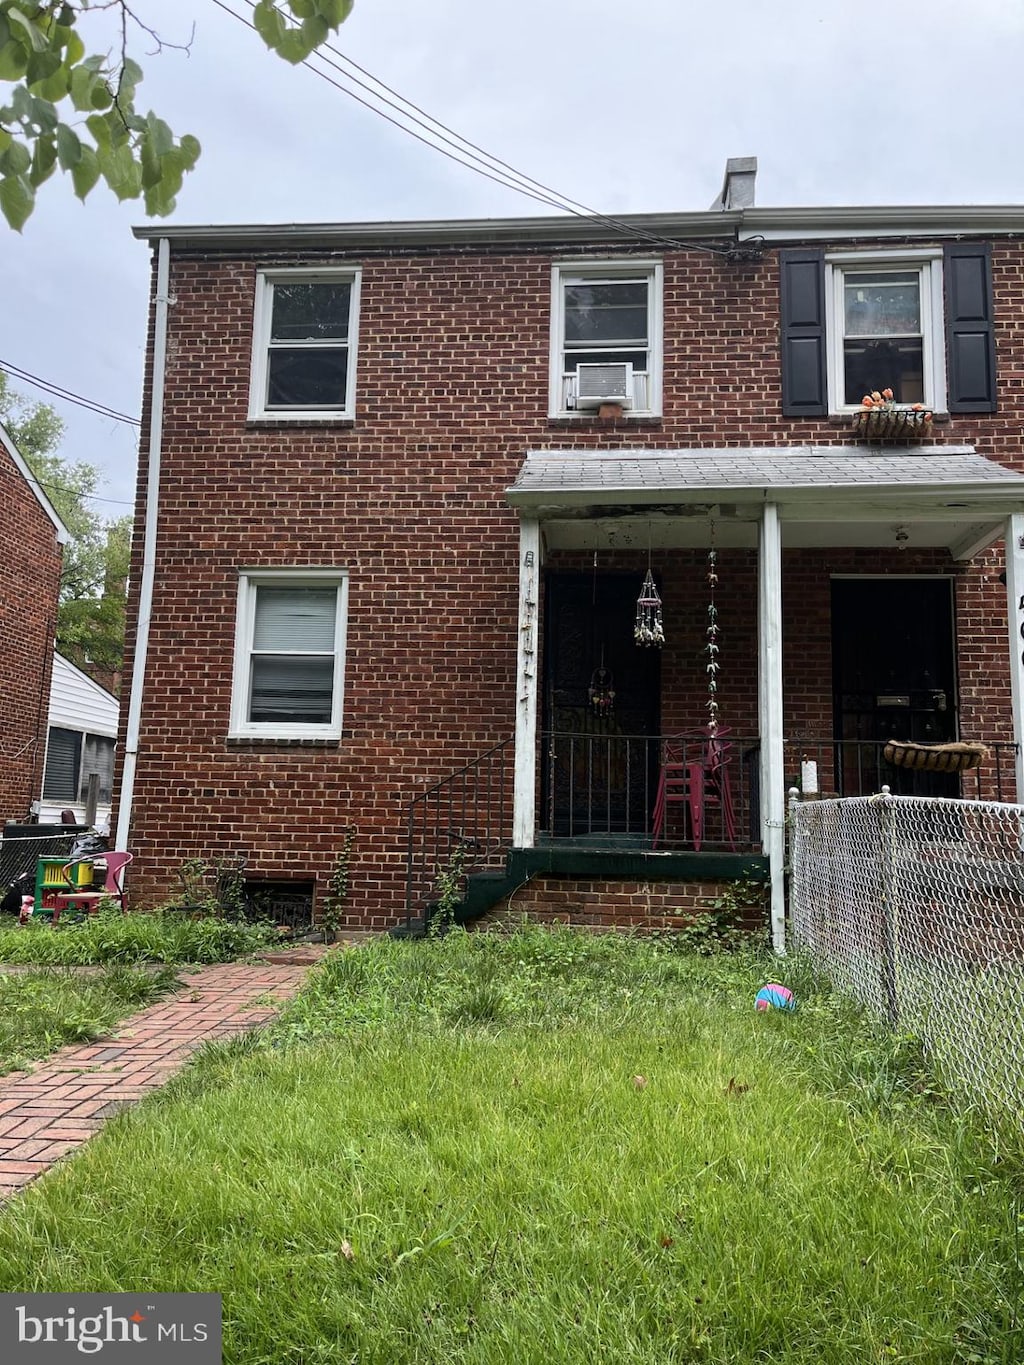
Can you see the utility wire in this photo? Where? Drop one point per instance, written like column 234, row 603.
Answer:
column 55, row 390
column 497, row 170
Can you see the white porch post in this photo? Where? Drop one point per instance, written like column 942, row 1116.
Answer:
column 769, row 708
column 524, row 818
column 1015, row 621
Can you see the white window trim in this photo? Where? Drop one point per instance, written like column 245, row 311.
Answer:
column 262, row 311
column 578, row 271
column 933, row 327
column 249, row 580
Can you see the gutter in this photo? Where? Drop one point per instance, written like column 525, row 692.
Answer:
column 156, row 423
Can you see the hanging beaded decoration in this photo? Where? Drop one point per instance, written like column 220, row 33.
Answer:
column 711, row 648
column 649, row 628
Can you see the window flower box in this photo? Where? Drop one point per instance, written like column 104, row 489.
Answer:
column 881, row 419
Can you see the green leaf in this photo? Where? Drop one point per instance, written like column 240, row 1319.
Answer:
column 31, row 32
column 44, row 159
column 17, row 199
column 42, row 114
column 41, row 66
column 54, row 87
column 190, row 150
column 85, row 172
column 13, row 60
column 158, row 133
column 16, row 159
column 69, row 148
column 269, row 24
column 82, row 82
column 100, row 129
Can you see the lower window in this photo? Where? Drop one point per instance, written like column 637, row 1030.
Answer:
column 289, row 654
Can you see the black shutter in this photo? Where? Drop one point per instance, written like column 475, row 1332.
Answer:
column 970, row 342
column 804, row 391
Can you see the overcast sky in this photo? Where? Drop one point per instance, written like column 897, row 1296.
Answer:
column 623, row 105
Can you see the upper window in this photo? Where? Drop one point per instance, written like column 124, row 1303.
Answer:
column 919, row 322
column 289, row 654
column 884, row 325
column 72, row 758
column 304, row 344
column 606, row 337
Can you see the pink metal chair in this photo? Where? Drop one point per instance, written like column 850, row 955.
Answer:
column 89, row 899
column 695, row 775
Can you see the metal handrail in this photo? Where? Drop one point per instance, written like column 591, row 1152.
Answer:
column 470, row 810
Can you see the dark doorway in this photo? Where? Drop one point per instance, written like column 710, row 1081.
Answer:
column 600, row 757
column 894, row 677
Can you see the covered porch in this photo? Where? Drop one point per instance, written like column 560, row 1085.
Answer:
column 865, row 559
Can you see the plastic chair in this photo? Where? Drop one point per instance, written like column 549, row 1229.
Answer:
column 695, row 775
column 89, row 900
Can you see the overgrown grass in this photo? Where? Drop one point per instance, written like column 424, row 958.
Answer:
column 550, row 1148
column 41, row 1011
column 111, row 937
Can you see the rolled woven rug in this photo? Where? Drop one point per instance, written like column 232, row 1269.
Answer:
column 954, row 757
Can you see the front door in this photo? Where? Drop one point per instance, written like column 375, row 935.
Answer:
column 601, row 708
column 894, row 677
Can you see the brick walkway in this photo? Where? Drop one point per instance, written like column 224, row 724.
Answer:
column 54, row 1109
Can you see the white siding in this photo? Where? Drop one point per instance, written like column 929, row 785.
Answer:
column 78, row 703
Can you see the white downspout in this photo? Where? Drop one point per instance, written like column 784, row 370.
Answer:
column 1015, row 619
column 769, row 706
column 156, row 423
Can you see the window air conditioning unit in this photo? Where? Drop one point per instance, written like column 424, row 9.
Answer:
column 597, row 384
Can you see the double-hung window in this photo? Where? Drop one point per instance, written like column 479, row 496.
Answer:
column 304, row 345
column 289, row 654
column 72, row 758
column 606, row 336
column 886, row 328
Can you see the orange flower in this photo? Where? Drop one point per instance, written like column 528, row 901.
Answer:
column 917, row 407
column 887, row 394
column 866, row 402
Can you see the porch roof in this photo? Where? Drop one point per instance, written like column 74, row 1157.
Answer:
column 946, row 495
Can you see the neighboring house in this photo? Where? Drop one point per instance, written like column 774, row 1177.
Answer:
column 31, row 537
column 401, row 488
column 82, row 730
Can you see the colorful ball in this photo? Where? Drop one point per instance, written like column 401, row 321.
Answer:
column 774, row 997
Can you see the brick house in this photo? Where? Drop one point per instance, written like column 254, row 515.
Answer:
column 31, row 537
column 402, row 487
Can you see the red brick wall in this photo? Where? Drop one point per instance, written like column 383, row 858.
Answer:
column 452, row 390
column 598, row 904
column 30, row 561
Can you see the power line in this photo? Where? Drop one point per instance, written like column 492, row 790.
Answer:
column 55, row 391
column 479, row 161
column 77, row 493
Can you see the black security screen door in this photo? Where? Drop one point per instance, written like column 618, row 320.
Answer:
column 599, row 767
column 893, row 677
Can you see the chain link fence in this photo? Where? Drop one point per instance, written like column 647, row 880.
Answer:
column 915, row 907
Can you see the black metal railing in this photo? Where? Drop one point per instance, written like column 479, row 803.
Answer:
column 468, row 814
column 604, row 788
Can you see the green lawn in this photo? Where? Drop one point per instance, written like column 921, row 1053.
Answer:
column 42, row 1010
column 550, row 1148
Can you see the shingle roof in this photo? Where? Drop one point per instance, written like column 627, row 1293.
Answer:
column 755, row 470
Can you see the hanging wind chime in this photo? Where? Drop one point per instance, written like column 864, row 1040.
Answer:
column 649, row 628
column 711, row 648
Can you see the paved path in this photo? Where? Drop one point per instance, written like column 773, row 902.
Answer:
column 58, row 1106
